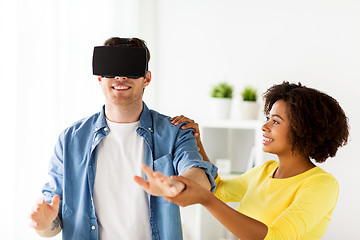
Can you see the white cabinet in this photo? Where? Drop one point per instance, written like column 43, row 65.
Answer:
column 240, row 142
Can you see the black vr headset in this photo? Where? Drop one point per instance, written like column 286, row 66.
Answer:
column 119, row 61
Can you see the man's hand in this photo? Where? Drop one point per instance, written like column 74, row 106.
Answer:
column 43, row 214
column 158, row 184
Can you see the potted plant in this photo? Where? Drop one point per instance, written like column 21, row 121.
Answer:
column 249, row 105
column 222, row 95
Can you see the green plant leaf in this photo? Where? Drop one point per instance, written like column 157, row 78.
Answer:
column 222, row 90
column 249, row 94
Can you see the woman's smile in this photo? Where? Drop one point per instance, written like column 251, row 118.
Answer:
column 267, row 140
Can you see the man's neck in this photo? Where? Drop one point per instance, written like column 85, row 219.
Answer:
column 123, row 114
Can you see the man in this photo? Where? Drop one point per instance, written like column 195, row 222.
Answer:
column 92, row 193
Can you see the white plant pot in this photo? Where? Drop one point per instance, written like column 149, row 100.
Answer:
column 249, row 110
column 221, row 108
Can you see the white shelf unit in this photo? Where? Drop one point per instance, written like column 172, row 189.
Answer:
column 239, row 141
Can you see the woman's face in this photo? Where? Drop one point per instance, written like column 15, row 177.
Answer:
column 276, row 130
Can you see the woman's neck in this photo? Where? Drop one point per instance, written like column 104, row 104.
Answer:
column 292, row 165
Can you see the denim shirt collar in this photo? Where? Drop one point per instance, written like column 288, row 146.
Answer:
column 146, row 130
column 101, row 121
column 146, row 122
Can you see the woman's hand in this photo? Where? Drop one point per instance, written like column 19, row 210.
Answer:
column 240, row 225
column 192, row 194
column 191, row 124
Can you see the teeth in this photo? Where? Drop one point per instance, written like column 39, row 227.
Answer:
column 267, row 139
column 121, row 87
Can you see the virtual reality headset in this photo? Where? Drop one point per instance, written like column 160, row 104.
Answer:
column 119, row 61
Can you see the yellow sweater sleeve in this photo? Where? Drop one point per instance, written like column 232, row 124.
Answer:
column 315, row 200
column 234, row 189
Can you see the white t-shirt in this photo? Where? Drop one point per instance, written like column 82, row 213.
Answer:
column 121, row 206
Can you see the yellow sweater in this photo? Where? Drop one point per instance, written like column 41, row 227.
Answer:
column 298, row 207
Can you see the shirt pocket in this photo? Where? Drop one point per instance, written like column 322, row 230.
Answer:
column 164, row 165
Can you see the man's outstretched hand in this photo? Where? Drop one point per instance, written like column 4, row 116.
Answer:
column 158, row 184
column 43, row 214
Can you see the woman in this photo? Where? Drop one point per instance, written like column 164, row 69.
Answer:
column 288, row 199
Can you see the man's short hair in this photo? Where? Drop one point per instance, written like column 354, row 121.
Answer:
column 130, row 42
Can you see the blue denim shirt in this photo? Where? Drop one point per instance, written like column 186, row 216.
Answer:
column 168, row 149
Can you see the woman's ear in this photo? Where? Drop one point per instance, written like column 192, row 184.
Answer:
column 99, row 79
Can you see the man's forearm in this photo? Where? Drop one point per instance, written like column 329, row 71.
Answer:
column 54, row 228
column 198, row 175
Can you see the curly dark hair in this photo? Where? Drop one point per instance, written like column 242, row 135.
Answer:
column 318, row 125
column 130, row 42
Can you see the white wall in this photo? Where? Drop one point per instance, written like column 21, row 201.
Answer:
column 46, row 81
column 262, row 43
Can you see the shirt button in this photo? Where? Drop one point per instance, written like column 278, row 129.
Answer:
column 149, row 129
column 105, row 129
column 93, row 228
column 97, row 138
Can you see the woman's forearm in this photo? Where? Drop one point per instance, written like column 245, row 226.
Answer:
column 202, row 151
column 239, row 224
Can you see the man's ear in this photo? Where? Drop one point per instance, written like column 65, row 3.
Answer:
column 147, row 79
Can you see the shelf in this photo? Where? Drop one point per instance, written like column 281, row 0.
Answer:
column 232, row 124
